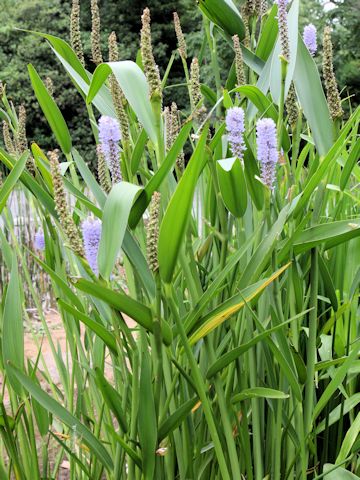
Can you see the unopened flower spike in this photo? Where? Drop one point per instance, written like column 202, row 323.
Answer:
column 199, row 109
column 291, row 106
column 117, row 94
column 309, row 37
column 267, row 153
column 235, row 126
column 102, row 169
column 239, row 62
column 180, row 37
column 62, row 209
column 8, row 141
column 95, row 33
column 91, row 230
column 153, row 232
column 175, row 128
column 150, row 67
column 21, row 142
column 332, row 91
column 109, row 137
column 75, row 34
column 283, row 29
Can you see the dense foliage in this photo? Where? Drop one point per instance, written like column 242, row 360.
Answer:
column 207, row 276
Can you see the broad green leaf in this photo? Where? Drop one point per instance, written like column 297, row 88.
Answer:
column 51, row 111
column 114, row 222
column 147, row 424
column 13, row 328
column 338, row 473
column 349, row 440
column 144, row 197
column 136, row 90
column 259, row 392
column 12, row 179
column 138, row 151
column 340, row 410
column 215, row 318
column 94, row 326
column 268, row 35
column 112, row 398
column 232, row 185
column 312, row 99
column 327, row 234
column 125, row 304
column 328, row 283
column 176, row 217
column 225, row 15
column 175, row 419
column 65, row 416
column 350, row 163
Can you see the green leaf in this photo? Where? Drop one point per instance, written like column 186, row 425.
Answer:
column 174, row 223
column 143, row 199
column 268, row 35
column 111, row 398
column 336, row 381
column 138, row 151
column 338, row 473
column 12, row 179
column 175, row 419
column 349, row 165
column 339, row 411
column 136, row 90
column 349, row 440
column 327, row 234
column 65, row 416
column 221, row 313
column 328, row 283
column 147, row 425
column 13, row 328
column 312, row 99
column 94, row 326
column 265, row 107
column 51, row 111
column 89, row 178
column 232, row 185
column 119, row 301
column 259, row 392
column 326, row 163
column 225, row 15
column 114, row 222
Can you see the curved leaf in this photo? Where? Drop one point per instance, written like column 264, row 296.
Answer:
column 232, row 185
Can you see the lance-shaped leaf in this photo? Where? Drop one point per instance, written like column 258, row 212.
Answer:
column 136, row 90
column 114, row 222
column 11, row 179
column 51, row 111
column 232, row 185
column 174, row 223
column 218, row 316
column 327, row 234
column 259, row 392
column 52, row 406
column 225, row 15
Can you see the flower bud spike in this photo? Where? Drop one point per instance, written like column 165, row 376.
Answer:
column 95, row 33
column 332, row 91
column 61, row 206
column 153, row 232
column 180, row 37
column 150, row 67
column 75, row 33
column 239, row 62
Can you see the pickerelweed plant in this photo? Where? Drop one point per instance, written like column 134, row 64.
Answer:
column 207, row 275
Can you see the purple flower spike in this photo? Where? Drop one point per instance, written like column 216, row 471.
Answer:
column 309, row 37
column 267, row 150
column 109, row 136
column 236, row 127
column 91, row 230
column 39, row 240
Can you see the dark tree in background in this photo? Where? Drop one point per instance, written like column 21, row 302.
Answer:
column 17, row 49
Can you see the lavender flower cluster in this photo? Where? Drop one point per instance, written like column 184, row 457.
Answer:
column 39, row 240
column 267, row 150
column 109, row 137
column 91, row 230
column 235, row 126
column 309, row 36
